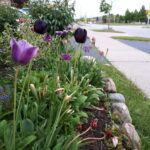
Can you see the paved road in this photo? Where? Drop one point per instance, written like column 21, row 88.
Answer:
column 129, row 30
column 143, row 46
column 134, row 63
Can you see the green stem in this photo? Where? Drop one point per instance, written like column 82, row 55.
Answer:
column 14, row 109
column 19, row 102
column 77, row 54
column 49, row 139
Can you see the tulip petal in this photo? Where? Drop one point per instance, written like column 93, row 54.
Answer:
column 28, row 54
column 23, row 44
column 16, row 53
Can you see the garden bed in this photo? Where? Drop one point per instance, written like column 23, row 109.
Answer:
column 56, row 99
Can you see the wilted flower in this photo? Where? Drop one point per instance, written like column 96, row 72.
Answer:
column 93, row 123
column 80, row 35
column 22, row 51
column 108, row 134
column 47, row 38
column 66, row 57
column 87, row 48
column 40, row 26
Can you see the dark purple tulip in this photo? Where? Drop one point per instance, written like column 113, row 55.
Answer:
column 40, row 26
column 47, row 38
column 66, row 57
column 22, row 51
column 80, row 35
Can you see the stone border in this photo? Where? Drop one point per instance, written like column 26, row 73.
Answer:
column 120, row 109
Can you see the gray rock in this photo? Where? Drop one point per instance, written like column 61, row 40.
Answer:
column 132, row 135
column 110, row 86
column 116, row 97
column 121, row 110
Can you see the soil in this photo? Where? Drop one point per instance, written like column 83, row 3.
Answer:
column 103, row 121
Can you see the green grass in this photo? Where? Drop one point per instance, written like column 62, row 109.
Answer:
column 137, row 102
column 106, row 30
column 131, row 38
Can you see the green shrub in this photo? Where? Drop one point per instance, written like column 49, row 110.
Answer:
column 7, row 15
column 58, row 15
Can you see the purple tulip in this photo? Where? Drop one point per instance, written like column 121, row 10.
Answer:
column 66, row 57
column 22, row 51
column 47, row 38
column 87, row 48
column 40, row 26
column 80, row 35
column 64, row 33
column 59, row 33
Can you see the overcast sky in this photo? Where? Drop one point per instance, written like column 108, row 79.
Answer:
column 90, row 8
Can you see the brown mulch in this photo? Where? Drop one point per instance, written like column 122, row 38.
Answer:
column 103, row 121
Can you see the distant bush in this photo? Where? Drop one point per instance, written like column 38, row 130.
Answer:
column 57, row 14
column 7, row 15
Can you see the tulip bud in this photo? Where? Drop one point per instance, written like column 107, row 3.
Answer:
column 67, row 98
column 34, row 91
column 60, row 91
column 80, row 35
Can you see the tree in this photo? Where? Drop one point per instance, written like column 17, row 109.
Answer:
column 106, row 8
column 142, row 14
column 136, row 16
column 127, row 16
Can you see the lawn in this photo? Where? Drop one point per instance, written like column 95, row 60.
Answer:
column 131, row 38
column 137, row 102
column 106, row 30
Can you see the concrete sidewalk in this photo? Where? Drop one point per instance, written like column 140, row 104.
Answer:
column 132, row 62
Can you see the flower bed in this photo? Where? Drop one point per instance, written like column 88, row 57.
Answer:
column 56, row 98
